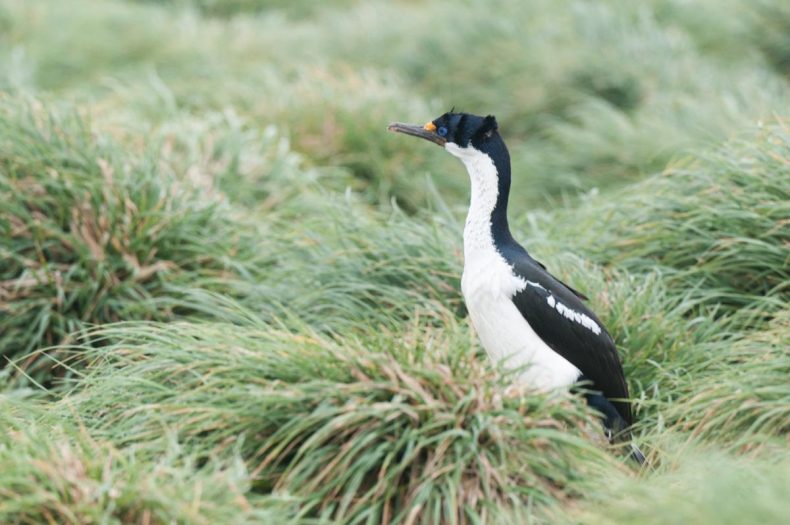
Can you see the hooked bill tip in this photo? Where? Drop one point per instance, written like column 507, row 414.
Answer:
column 416, row 131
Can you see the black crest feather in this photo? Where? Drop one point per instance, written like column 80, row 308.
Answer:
column 489, row 126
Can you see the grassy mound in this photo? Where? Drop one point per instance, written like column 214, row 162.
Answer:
column 717, row 223
column 608, row 94
column 701, row 486
column 92, row 235
column 699, row 316
column 746, row 397
column 408, row 427
column 53, row 472
column 339, row 267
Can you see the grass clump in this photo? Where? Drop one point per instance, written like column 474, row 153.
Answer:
column 53, row 472
column 701, row 485
column 339, row 264
column 773, row 21
column 417, row 430
column 745, row 398
column 717, row 224
column 589, row 95
column 229, row 8
column 222, row 153
column 89, row 234
column 697, row 313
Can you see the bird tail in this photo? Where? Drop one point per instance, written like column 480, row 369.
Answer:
column 624, row 436
column 636, row 454
column 617, row 429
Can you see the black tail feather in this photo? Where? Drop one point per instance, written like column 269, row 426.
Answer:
column 617, row 429
column 636, row 454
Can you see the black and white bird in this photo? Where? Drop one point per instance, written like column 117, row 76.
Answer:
column 525, row 317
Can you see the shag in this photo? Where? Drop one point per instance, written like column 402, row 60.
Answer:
column 525, row 317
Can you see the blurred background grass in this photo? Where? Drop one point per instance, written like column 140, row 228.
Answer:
column 227, row 295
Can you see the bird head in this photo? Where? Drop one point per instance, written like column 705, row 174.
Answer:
column 458, row 133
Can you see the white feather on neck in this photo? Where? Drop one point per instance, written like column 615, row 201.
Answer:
column 485, row 190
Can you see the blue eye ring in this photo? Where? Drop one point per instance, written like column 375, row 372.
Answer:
column 441, row 131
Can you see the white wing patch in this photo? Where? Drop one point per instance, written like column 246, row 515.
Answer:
column 573, row 315
column 536, row 285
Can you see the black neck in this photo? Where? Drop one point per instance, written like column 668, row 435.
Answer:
column 500, row 231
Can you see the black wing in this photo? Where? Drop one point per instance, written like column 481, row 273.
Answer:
column 569, row 328
column 576, row 292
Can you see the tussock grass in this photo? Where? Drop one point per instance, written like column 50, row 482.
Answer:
column 340, row 266
column 774, row 20
column 706, row 249
column 589, row 95
column 51, row 471
column 229, row 8
column 418, row 431
column 717, row 224
column 221, row 153
column 115, row 236
column 702, row 485
column 746, row 398
column 91, row 235
column 221, row 168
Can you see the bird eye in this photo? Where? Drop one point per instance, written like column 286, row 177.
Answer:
column 442, row 131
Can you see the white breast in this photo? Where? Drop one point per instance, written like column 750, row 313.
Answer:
column 489, row 284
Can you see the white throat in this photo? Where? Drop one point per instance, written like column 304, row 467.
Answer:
column 485, row 190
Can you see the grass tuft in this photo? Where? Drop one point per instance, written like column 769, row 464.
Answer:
column 420, row 430
column 92, row 235
column 745, row 397
column 717, row 224
column 53, row 472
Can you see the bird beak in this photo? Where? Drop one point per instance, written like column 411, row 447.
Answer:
column 427, row 132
